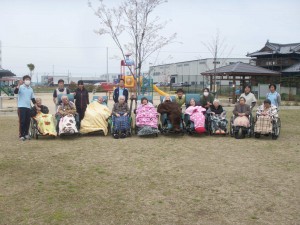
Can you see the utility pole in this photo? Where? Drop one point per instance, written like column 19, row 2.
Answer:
column 107, row 65
column 52, row 70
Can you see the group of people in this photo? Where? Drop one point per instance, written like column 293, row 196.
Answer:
column 92, row 117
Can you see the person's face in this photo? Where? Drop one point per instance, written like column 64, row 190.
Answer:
column 167, row 98
column 192, row 102
column 242, row 101
column 267, row 105
column 61, row 85
column 100, row 100
column 144, row 102
column 247, row 89
column 216, row 104
column 121, row 83
column 121, row 100
column 38, row 102
column 80, row 86
column 65, row 100
column 272, row 88
column 179, row 94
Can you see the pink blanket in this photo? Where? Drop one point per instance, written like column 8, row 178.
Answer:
column 146, row 115
column 196, row 115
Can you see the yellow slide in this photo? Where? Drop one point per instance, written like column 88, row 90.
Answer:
column 155, row 88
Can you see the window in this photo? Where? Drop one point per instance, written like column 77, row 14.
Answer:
column 186, row 64
column 179, row 65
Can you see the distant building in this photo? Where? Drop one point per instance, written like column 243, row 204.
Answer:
column 190, row 71
column 278, row 57
column 53, row 80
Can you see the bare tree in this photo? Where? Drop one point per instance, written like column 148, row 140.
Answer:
column 133, row 20
column 217, row 48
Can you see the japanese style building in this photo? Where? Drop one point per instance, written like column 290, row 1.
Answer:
column 276, row 57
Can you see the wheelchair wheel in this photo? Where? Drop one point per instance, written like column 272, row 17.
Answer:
column 276, row 129
column 257, row 135
column 239, row 134
column 231, row 131
column 32, row 130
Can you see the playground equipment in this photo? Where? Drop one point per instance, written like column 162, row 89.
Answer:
column 160, row 92
column 129, row 79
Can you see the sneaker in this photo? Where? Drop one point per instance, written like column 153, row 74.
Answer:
column 22, row 139
column 217, row 131
column 27, row 137
column 222, row 132
column 116, row 136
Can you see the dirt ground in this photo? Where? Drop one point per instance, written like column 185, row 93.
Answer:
column 164, row 180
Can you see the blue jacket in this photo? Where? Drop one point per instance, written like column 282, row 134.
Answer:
column 116, row 94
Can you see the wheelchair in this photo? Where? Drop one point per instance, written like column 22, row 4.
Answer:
column 148, row 131
column 276, row 127
column 189, row 125
column 34, row 131
column 240, row 132
column 58, row 117
column 166, row 127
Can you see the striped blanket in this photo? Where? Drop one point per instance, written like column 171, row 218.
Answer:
column 263, row 125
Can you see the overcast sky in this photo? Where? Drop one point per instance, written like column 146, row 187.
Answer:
column 59, row 34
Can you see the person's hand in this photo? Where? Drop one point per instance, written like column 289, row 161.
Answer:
column 20, row 82
column 117, row 115
column 208, row 103
column 38, row 109
column 212, row 113
column 125, row 114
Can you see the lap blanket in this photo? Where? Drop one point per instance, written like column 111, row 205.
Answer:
column 241, row 121
column 45, row 124
column 147, row 130
column 197, row 117
column 95, row 118
column 146, row 115
column 263, row 125
column 219, row 121
column 67, row 125
column 121, row 123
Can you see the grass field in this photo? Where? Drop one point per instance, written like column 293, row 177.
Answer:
column 164, row 180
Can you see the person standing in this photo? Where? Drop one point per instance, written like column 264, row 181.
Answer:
column 274, row 96
column 180, row 97
column 249, row 96
column 120, row 91
column 58, row 91
column 25, row 96
column 81, row 97
column 207, row 99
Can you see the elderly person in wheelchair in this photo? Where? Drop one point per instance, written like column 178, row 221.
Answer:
column 172, row 111
column 121, row 120
column 95, row 118
column 240, row 123
column 67, row 117
column 217, row 118
column 43, row 120
column 266, row 118
column 146, row 119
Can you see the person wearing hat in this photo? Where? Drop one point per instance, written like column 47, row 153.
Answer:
column 59, row 90
column 25, row 96
column 81, row 97
column 180, row 97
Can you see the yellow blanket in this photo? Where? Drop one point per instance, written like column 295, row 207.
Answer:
column 45, row 124
column 95, row 118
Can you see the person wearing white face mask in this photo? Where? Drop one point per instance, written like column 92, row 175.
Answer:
column 25, row 95
column 207, row 99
